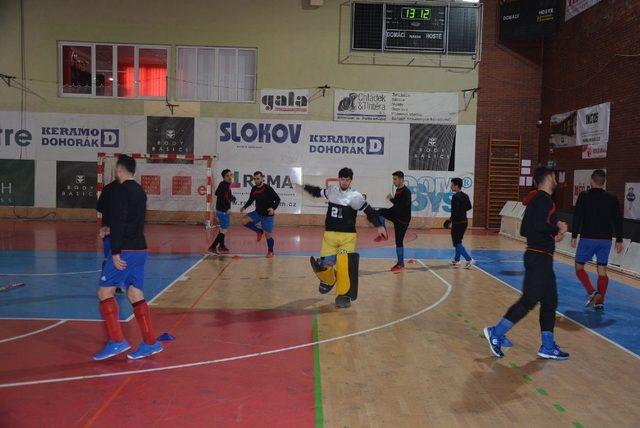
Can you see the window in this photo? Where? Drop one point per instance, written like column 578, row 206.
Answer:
column 216, row 74
column 107, row 70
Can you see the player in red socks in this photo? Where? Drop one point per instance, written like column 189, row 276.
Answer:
column 125, row 268
column 596, row 219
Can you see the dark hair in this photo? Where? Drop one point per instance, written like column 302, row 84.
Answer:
column 345, row 173
column 225, row 172
column 398, row 174
column 540, row 174
column 259, row 173
column 457, row 182
column 599, row 177
column 127, row 163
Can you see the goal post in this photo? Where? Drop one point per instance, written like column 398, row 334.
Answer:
column 178, row 187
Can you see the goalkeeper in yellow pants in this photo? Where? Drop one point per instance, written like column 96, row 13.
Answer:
column 338, row 263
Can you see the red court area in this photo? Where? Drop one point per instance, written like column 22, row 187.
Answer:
column 275, row 389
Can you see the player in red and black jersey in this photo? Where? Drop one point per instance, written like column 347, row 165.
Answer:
column 267, row 201
column 399, row 214
column 542, row 229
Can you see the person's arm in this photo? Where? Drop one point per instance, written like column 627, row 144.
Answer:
column 578, row 214
column 118, row 214
column 540, row 217
column 249, row 201
column 617, row 219
column 220, row 189
column 314, row 191
column 275, row 198
column 468, row 205
column 455, row 206
column 372, row 215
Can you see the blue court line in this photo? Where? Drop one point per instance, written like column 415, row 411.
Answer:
column 619, row 323
column 74, row 296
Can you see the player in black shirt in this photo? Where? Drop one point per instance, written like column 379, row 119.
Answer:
column 338, row 263
column 399, row 214
column 597, row 219
column 542, row 229
column 224, row 198
column 104, row 207
column 460, row 204
column 267, row 201
column 127, row 208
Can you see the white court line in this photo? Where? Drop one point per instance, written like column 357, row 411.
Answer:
column 247, row 356
column 49, row 274
column 566, row 317
column 33, row 332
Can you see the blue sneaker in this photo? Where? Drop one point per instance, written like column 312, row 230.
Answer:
column 495, row 343
column 506, row 342
column 554, row 353
column 112, row 348
column 145, row 350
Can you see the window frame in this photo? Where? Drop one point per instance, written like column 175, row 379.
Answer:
column 216, row 77
column 114, row 70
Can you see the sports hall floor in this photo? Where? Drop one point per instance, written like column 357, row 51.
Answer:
column 256, row 345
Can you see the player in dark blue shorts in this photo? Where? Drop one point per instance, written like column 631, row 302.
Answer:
column 267, row 201
column 125, row 267
column 224, row 198
column 596, row 218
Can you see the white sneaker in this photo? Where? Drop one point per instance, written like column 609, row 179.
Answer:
column 467, row 265
column 455, row 263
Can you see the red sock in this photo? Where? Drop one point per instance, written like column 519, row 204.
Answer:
column 583, row 276
column 109, row 311
column 143, row 316
column 603, row 284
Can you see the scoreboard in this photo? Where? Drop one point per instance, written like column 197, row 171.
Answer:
column 424, row 27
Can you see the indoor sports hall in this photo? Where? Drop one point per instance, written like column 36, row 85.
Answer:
column 319, row 213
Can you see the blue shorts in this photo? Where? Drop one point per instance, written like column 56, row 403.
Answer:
column 133, row 274
column 106, row 247
column 224, row 219
column 267, row 222
column 587, row 248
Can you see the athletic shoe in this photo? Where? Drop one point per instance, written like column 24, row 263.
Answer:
column 222, row 250
column 495, row 343
column 145, row 350
column 397, row 268
column 324, row 288
column 599, row 307
column 469, row 264
column 591, row 299
column 343, row 301
column 111, row 349
column 454, row 263
column 269, row 255
column 259, row 237
column 380, row 238
column 554, row 353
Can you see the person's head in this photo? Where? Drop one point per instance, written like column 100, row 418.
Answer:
column 227, row 175
column 456, row 184
column 258, row 178
column 398, row 179
column 345, row 176
column 598, row 179
column 545, row 179
column 125, row 168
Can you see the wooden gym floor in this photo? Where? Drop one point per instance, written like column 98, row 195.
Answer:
column 257, row 345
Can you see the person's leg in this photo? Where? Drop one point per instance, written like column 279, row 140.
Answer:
column 250, row 220
column 400, row 232
column 150, row 345
column 461, row 228
column 384, row 214
column 268, row 224
column 224, row 221
column 109, row 280
column 347, row 266
column 584, row 254
column 548, row 306
column 110, row 313
column 602, row 257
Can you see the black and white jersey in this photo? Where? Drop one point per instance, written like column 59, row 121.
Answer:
column 343, row 208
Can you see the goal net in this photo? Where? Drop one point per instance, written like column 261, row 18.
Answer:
column 178, row 187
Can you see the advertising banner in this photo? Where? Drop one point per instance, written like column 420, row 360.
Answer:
column 400, row 107
column 284, row 101
column 632, row 201
column 76, row 184
column 593, row 130
column 594, row 151
column 432, row 147
column 170, row 135
column 431, row 191
column 17, row 182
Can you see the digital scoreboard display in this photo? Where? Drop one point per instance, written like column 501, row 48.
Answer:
column 439, row 28
column 414, row 28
